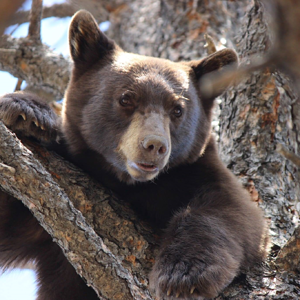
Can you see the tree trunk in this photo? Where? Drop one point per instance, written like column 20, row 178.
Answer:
column 256, row 115
column 100, row 236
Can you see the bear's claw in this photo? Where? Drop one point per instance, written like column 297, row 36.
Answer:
column 25, row 115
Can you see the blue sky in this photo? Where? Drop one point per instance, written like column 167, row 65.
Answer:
column 17, row 285
column 20, row 284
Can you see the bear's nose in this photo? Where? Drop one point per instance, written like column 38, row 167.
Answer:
column 155, row 144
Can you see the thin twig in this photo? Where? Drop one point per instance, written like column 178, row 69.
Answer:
column 210, row 45
column 295, row 159
column 195, row 5
column 18, row 86
column 213, row 81
column 35, row 19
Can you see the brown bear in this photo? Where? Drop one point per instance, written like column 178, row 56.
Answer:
column 141, row 126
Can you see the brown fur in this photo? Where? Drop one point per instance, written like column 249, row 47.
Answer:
column 141, row 126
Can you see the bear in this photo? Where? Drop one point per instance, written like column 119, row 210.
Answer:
column 142, row 127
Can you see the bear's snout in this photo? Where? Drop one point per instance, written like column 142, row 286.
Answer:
column 145, row 146
column 155, row 146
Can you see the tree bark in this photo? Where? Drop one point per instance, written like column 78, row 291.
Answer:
column 115, row 254
column 35, row 63
column 256, row 115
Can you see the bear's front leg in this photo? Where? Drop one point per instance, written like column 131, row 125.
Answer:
column 199, row 257
column 29, row 115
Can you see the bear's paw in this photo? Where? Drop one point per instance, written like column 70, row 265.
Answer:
column 26, row 114
column 189, row 274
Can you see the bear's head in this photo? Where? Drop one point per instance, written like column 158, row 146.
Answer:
column 143, row 115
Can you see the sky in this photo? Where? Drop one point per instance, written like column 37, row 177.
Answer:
column 20, row 284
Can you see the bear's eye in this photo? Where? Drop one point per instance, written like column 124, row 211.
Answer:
column 125, row 101
column 177, row 112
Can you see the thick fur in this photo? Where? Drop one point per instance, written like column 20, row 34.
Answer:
column 141, row 126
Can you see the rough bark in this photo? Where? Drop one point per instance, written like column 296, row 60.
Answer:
column 285, row 20
column 115, row 254
column 259, row 113
column 169, row 29
column 35, row 63
column 255, row 116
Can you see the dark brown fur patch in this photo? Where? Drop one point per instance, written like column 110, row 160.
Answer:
column 87, row 43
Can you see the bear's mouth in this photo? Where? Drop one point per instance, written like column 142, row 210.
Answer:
column 147, row 167
column 142, row 171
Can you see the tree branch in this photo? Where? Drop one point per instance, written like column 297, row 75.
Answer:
column 210, row 45
column 35, row 63
column 100, row 9
column 114, row 215
column 18, row 85
column 284, row 54
column 115, row 254
column 288, row 259
column 227, row 76
column 284, row 21
column 60, row 10
column 65, row 202
column 295, row 159
column 34, row 31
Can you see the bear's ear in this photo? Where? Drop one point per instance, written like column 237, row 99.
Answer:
column 88, row 44
column 207, row 69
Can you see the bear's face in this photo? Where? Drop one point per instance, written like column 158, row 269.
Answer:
column 142, row 114
column 147, row 113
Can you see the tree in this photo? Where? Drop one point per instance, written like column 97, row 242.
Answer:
column 257, row 116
